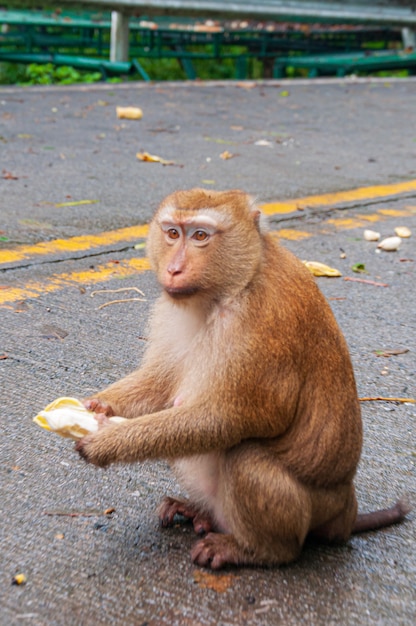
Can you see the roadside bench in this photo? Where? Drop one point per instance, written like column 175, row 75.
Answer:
column 381, row 13
column 343, row 64
column 71, row 38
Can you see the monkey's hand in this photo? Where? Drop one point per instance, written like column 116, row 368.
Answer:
column 99, row 448
column 98, row 406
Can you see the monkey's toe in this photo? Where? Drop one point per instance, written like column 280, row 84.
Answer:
column 216, row 550
column 169, row 507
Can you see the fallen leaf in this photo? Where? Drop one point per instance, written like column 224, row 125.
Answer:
column 320, row 269
column 3, row 357
column 359, row 268
column 8, row 175
column 206, row 181
column 129, row 113
column 222, row 141
column 284, row 94
column 20, row 307
column 389, row 353
column 19, row 579
column 75, row 203
column 109, row 511
column 35, row 224
column 153, row 158
column 59, row 536
column 49, row 331
column 226, row 155
column 217, row 582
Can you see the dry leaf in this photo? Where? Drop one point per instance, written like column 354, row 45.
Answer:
column 403, row 232
column 129, row 113
column 226, row 155
column 320, row 269
column 217, row 582
column 75, row 203
column 389, row 353
column 50, row 331
column 21, row 306
column 9, row 176
column 19, row 579
column 152, row 158
column 109, row 511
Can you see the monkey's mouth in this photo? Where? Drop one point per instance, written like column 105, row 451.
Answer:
column 181, row 292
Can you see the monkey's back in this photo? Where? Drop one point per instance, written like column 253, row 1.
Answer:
column 322, row 443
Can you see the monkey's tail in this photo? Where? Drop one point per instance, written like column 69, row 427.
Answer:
column 382, row 518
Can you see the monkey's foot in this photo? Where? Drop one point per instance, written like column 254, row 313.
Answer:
column 95, row 405
column 170, row 507
column 216, row 550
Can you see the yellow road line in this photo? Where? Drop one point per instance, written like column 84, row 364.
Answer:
column 359, row 221
column 133, row 233
column 35, row 289
column 74, row 244
column 339, row 197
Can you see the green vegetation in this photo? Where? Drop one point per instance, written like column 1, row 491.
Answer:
column 46, row 74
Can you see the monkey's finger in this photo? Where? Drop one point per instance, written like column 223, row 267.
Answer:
column 97, row 406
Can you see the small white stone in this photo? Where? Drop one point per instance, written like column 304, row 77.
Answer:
column 371, row 235
column 390, row 244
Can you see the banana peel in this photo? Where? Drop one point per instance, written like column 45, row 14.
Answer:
column 320, row 269
column 69, row 418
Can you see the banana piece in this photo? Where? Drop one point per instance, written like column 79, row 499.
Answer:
column 69, row 418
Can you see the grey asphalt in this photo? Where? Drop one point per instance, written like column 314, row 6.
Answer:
column 60, row 145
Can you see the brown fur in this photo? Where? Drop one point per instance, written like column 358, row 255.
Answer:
column 247, row 388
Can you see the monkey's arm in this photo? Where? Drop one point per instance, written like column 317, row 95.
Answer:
column 169, row 434
column 144, row 391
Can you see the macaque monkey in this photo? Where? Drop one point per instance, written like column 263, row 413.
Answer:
column 246, row 388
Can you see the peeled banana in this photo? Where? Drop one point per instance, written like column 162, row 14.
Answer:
column 68, row 417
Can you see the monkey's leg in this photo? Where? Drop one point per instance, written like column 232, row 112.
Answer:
column 266, row 512
column 169, row 507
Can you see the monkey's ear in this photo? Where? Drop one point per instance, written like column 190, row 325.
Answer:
column 256, row 214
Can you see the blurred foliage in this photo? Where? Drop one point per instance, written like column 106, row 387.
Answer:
column 44, row 74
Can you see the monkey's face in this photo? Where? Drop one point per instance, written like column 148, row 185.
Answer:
column 198, row 245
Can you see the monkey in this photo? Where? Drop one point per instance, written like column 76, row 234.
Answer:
column 246, row 388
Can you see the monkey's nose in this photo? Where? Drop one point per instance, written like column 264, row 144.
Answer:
column 174, row 271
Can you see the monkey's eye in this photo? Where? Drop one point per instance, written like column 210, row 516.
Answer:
column 173, row 233
column 200, row 235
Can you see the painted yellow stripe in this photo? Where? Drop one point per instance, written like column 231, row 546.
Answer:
column 360, row 221
column 291, row 234
column 74, row 244
column 56, row 282
column 133, row 233
column 339, row 197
